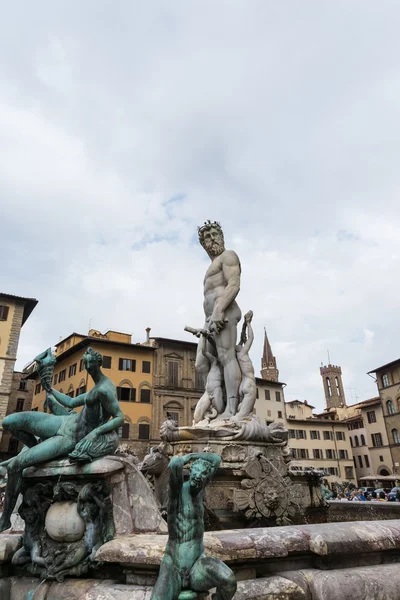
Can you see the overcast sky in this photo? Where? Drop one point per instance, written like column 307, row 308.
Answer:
column 124, row 125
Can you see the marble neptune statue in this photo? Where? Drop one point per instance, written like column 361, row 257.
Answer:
column 221, row 286
column 82, row 436
column 221, row 362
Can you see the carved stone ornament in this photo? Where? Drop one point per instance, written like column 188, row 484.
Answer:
column 267, row 492
column 233, row 453
column 64, row 527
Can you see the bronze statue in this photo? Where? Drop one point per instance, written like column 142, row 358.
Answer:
column 83, row 437
column 184, row 565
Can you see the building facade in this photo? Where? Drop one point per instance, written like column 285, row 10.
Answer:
column 20, row 400
column 388, row 382
column 367, row 431
column 333, row 386
column 128, row 365
column 14, row 311
column 176, row 387
column 269, row 370
column 319, row 443
column 270, row 401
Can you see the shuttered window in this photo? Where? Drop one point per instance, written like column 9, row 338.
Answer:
column 127, row 364
column 106, row 362
column 3, row 313
column 173, row 373
column 126, row 394
column 145, row 394
column 144, row 431
column 123, row 432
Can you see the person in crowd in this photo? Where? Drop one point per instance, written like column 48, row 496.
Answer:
column 359, row 496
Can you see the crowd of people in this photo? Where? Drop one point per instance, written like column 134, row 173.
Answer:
column 362, row 496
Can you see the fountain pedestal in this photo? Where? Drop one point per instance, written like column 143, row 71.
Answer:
column 70, row 510
column 252, row 486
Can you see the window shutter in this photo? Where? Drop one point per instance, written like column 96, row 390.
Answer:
column 107, row 362
column 133, row 364
column 173, row 373
column 144, row 431
column 125, row 431
column 120, row 364
column 133, row 395
column 145, row 395
column 4, row 313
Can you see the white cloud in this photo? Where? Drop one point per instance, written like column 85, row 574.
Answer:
column 123, row 127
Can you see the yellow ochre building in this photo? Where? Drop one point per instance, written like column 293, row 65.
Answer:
column 129, row 366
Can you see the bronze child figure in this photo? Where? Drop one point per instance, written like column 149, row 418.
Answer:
column 184, row 565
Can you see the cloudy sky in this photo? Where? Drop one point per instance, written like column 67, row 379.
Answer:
column 124, row 125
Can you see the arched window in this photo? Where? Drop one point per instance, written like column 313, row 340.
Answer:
column 337, row 386
column 362, row 440
column 328, row 383
column 390, row 407
column 123, row 431
column 356, row 440
column 385, row 380
column 396, row 436
column 144, row 431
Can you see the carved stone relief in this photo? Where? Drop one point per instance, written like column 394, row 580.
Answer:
column 64, row 527
column 267, row 491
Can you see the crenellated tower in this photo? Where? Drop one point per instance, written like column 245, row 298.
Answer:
column 269, row 369
column 333, row 386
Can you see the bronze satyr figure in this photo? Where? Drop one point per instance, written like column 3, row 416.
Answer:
column 184, row 565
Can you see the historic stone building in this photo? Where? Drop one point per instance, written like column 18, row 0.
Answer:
column 388, row 382
column 366, row 428
column 14, row 311
column 368, row 437
column 270, row 399
column 333, row 386
column 318, row 442
column 176, row 387
column 269, row 369
column 128, row 365
column 20, row 399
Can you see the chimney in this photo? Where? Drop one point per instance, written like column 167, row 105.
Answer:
column 148, row 329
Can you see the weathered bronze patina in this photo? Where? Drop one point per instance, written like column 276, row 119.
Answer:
column 184, row 567
column 82, row 436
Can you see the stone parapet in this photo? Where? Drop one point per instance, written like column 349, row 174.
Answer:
column 362, row 511
column 363, row 583
column 262, row 544
column 350, row 561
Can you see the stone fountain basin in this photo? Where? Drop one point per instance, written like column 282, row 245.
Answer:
column 352, row 561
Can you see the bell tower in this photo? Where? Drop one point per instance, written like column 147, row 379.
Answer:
column 269, row 369
column 333, row 386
